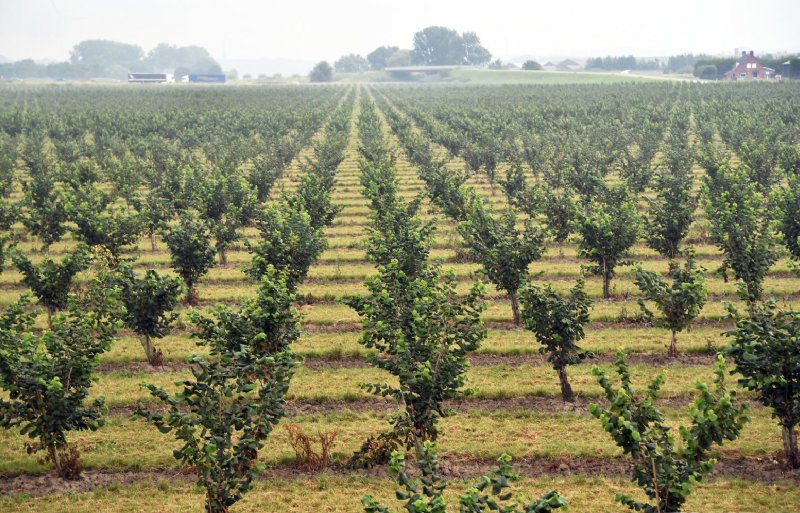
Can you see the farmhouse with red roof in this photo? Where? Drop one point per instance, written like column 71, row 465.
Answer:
column 750, row 67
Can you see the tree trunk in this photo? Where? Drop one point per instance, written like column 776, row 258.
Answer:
column 514, row 307
column 154, row 357
column 51, row 449
column 191, row 294
column 673, row 346
column 153, row 246
column 790, row 446
column 215, row 504
column 561, row 249
column 566, row 389
column 223, row 257
column 148, row 349
column 606, row 280
column 50, row 312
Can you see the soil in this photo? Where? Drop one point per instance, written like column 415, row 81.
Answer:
column 764, row 470
column 536, row 404
column 48, row 483
column 350, row 327
column 476, row 360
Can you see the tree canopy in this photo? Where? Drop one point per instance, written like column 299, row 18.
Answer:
column 100, row 58
column 531, row 66
column 321, row 72
column 379, row 57
column 439, row 46
column 352, row 63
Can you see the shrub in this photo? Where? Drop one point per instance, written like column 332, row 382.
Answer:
column 426, row 494
column 237, row 393
column 663, row 470
column 303, row 447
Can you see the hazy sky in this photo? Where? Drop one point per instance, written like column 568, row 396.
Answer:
column 315, row 30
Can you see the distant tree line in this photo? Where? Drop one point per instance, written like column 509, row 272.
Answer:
column 621, row 63
column 684, row 63
column 433, row 46
column 97, row 58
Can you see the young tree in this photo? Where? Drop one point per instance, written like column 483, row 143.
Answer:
column 9, row 211
column 446, row 190
column 288, row 241
column 226, row 202
column 788, row 202
column 608, row 229
column 44, row 210
column 558, row 325
column 422, row 332
column 49, row 281
column 149, row 302
column 680, row 303
column 519, row 193
column 765, row 347
column 265, row 170
column 111, row 227
column 664, row 471
column 741, row 224
column 314, row 192
column 156, row 210
column 5, row 248
column 488, row 493
column 504, row 251
column 237, row 393
column 313, row 195
column 396, row 231
column 8, row 157
column 560, row 212
column 47, row 374
column 669, row 216
column 412, row 315
column 191, row 252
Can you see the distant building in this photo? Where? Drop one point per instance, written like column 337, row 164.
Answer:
column 204, row 78
column 749, row 67
column 150, row 78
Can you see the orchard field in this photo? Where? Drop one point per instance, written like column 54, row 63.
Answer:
column 313, row 195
